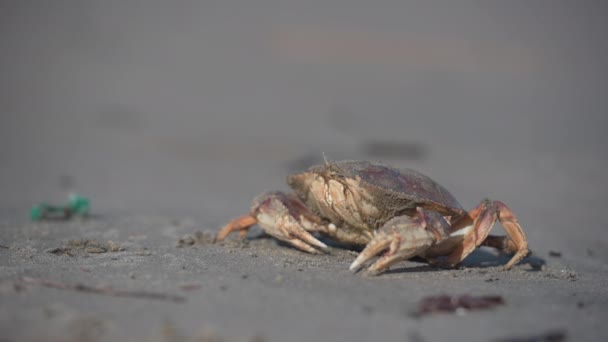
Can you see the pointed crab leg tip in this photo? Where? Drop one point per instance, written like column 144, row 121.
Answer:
column 372, row 249
column 321, row 245
column 373, row 273
column 354, row 267
column 223, row 233
column 217, row 238
column 382, row 265
column 303, row 246
column 309, row 239
column 359, row 261
column 313, row 241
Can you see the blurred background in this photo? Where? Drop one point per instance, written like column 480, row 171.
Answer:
column 194, row 107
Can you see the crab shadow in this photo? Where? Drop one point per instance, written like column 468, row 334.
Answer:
column 479, row 259
column 485, row 257
column 420, row 268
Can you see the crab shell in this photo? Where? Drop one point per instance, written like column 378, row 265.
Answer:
column 361, row 197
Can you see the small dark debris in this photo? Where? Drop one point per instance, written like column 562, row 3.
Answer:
column 580, row 304
column 60, row 251
column 590, row 253
column 551, row 336
column 244, row 276
column 396, row 149
column 445, row 303
column 367, row 309
column 186, row 240
column 224, row 287
column 199, row 238
column 555, row 254
column 491, row 279
column 536, row 266
column 190, row 287
column 5, row 247
column 74, row 247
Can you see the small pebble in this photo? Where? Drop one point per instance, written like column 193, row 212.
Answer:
column 555, row 254
column 95, row 250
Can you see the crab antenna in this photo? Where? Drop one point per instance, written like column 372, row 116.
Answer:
column 325, row 159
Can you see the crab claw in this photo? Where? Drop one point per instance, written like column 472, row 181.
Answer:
column 287, row 219
column 400, row 238
column 282, row 216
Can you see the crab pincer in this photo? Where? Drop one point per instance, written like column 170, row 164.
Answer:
column 399, row 239
column 282, row 216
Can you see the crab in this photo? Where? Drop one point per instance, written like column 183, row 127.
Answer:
column 394, row 214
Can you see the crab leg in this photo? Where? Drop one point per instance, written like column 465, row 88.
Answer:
column 476, row 226
column 402, row 238
column 241, row 224
column 282, row 216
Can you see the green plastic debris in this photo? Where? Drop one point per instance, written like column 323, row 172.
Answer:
column 77, row 206
column 37, row 212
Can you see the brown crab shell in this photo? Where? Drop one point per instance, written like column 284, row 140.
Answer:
column 396, row 190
